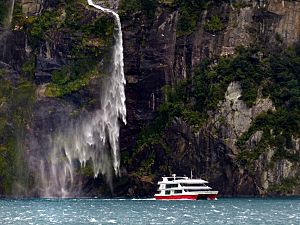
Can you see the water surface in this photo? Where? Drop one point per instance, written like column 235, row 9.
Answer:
column 121, row 211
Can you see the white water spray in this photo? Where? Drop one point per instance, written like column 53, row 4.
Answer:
column 95, row 137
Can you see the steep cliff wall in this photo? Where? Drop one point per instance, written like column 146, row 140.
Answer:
column 50, row 62
column 159, row 55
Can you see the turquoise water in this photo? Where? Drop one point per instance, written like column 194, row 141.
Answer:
column 118, row 211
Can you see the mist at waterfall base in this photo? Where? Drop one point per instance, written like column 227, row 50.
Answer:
column 97, row 211
column 92, row 138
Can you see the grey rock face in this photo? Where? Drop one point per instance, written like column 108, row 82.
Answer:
column 289, row 24
column 12, row 48
column 32, row 7
column 213, row 153
column 236, row 116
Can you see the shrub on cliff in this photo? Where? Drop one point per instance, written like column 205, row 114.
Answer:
column 148, row 7
column 189, row 11
column 214, row 25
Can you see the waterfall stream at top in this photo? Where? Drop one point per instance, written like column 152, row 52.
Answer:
column 10, row 15
column 93, row 138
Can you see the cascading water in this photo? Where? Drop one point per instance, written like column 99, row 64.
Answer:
column 11, row 11
column 113, row 96
column 93, row 138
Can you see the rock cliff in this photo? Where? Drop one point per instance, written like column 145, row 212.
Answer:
column 163, row 48
column 158, row 55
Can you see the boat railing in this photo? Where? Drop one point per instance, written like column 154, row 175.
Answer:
column 175, row 178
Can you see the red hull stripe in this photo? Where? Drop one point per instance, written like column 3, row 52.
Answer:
column 187, row 197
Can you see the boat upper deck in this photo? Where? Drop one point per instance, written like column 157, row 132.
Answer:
column 181, row 180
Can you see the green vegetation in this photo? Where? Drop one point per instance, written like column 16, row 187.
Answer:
column 19, row 18
column 86, row 170
column 176, row 106
column 147, row 7
column 278, row 128
column 102, row 27
column 281, row 83
column 28, row 68
column 72, row 77
column 55, row 90
column 286, row 186
column 75, row 20
column 239, row 4
column 211, row 81
column 187, row 22
column 40, row 25
column 278, row 37
column 129, row 6
column 214, row 25
column 52, row 21
column 22, row 98
column 191, row 99
column 147, row 164
column 16, row 102
column 189, row 11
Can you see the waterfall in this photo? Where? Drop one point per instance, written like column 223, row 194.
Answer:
column 113, row 98
column 93, row 137
column 10, row 16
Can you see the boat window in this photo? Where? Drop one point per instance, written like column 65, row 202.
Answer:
column 193, row 185
column 178, row 191
column 168, row 192
column 192, row 190
column 171, row 185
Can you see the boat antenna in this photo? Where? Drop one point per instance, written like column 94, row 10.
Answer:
column 191, row 174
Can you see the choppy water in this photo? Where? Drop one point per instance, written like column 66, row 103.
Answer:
column 97, row 211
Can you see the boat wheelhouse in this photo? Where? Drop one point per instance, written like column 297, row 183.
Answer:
column 184, row 188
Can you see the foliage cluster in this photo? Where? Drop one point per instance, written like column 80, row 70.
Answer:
column 214, row 25
column 38, row 26
column 18, row 16
column 211, row 80
column 76, row 20
column 286, row 186
column 239, row 4
column 71, row 78
column 28, row 68
column 189, row 11
column 177, row 105
column 147, row 7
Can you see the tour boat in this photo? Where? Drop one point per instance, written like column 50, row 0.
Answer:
column 184, row 188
